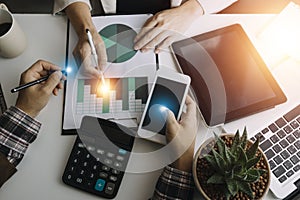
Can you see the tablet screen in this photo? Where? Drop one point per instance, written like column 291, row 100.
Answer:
column 229, row 78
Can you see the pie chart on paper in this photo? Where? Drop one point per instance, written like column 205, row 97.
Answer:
column 118, row 40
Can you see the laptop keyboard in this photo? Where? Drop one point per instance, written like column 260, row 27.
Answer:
column 280, row 142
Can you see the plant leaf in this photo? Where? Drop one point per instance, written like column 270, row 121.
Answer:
column 235, row 143
column 221, row 145
column 250, row 163
column 242, row 157
column 244, row 139
column 219, row 160
column 252, row 175
column 211, row 160
column 261, row 171
column 232, row 186
column 216, row 179
column 245, row 187
column 252, row 150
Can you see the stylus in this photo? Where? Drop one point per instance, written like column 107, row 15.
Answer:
column 94, row 53
column 21, row 87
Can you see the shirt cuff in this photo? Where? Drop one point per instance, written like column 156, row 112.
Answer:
column 60, row 5
column 210, row 7
column 17, row 129
column 174, row 183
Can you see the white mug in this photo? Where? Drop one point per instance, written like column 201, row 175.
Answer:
column 12, row 39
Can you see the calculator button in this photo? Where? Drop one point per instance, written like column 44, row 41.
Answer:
column 100, row 151
column 99, row 186
column 115, row 171
column 79, row 180
column 122, row 151
column 80, row 145
column 109, row 188
column 107, row 161
column 105, row 168
column 82, row 172
column 103, row 175
column 88, row 156
column 120, row 158
column 113, row 178
column 85, row 164
column 90, row 148
column 110, row 155
column 117, row 164
column 92, row 175
column 69, row 177
column 95, row 167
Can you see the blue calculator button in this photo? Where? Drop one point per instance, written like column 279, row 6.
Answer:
column 122, row 151
column 100, row 185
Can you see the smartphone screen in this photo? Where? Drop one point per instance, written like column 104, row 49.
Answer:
column 167, row 94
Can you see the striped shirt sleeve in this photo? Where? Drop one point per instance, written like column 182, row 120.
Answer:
column 17, row 131
column 174, row 184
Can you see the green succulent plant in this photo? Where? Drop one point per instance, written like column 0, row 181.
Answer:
column 234, row 166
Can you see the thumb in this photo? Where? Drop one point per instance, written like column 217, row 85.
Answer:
column 172, row 124
column 53, row 81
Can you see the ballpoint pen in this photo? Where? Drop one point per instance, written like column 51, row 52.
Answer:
column 29, row 84
column 94, row 53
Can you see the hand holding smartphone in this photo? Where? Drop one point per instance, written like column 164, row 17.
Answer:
column 167, row 93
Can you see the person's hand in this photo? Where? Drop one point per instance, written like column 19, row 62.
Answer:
column 183, row 133
column 80, row 17
column 167, row 26
column 83, row 54
column 33, row 99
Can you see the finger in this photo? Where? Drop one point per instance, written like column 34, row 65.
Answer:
column 39, row 69
column 150, row 23
column 42, row 66
column 102, row 57
column 53, row 81
column 60, row 85
column 55, row 92
column 160, row 37
column 88, row 69
column 164, row 44
column 148, row 37
column 191, row 110
column 172, row 124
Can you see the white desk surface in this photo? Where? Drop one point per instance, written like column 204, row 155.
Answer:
column 39, row 174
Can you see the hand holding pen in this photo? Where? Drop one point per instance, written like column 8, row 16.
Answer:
column 94, row 55
column 34, row 98
column 83, row 53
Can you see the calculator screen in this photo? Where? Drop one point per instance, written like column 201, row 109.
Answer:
column 103, row 132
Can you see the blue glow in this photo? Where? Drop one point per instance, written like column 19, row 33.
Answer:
column 68, row 69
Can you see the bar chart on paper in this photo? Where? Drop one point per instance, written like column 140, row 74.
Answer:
column 124, row 98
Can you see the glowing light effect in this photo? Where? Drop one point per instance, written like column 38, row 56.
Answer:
column 103, row 89
column 281, row 38
column 163, row 108
column 68, row 70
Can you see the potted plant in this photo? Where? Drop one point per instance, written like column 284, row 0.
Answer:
column 231, row 167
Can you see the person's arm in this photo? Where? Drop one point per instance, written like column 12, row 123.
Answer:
column 176, row 180
column 80, row 17
column 18, row 128
column 167, row 26
column 215, row 6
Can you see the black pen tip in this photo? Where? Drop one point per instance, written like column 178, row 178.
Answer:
column 13, row 90
column 87, row 30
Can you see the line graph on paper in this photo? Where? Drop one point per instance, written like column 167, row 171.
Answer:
column 125, row 98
